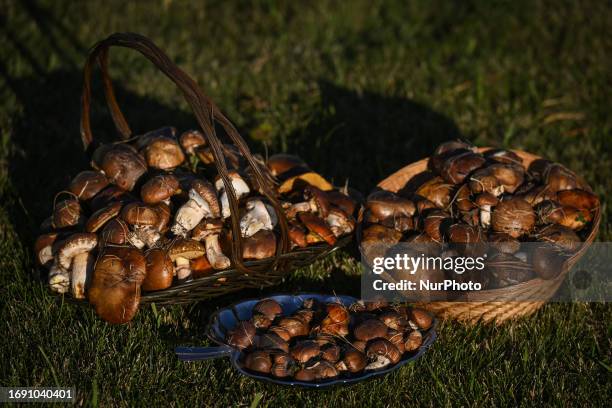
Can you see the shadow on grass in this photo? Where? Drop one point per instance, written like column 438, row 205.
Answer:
column 364, row 137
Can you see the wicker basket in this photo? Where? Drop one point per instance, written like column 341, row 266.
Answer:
column 242, row 275
column 503, row 308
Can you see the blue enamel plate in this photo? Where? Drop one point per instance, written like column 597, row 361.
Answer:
column 226, row 319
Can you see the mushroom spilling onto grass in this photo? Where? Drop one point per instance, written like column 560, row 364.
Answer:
column 491, row 203
column 321, row 341
column 158, row 197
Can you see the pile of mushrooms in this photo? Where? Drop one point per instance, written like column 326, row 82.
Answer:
column 324, row 341
column 153, row 211
column 489, row 203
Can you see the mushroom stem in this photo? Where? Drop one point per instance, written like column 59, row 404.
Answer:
column 485, row 215
column 183, row 270
column 134, row 238
column 82, row 266
column 59, row 279
column 214, row 253
column 190, row 214
column 379, row 362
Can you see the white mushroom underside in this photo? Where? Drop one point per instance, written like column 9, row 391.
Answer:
column 379, row 362
column 240, row 190
column 257, row 218
column 338, row 224
column 214, row 254
column 190, row 214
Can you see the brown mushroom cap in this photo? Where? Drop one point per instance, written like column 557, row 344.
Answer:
column 562, row 236
column 200, row 267
column 123, row 166
column 160, row 270
column 191, row 140
column 110, row 194
column 511, row 176
column 319, row 198
column 379, row 234
column 164, row 153
column 305, row 350
column 75, row 244
column 384, row 205
column 282, row 162
column 297, row 235
column 102, row 216
column 66, row 213
column 163, row 216
column 580, row 199
column 503, row 156
column 114, row 232
column 317, row 226
column 159, row 188
column 115, row 287
column 260, row 245
column 370, row 329
column 514, row 217
column 43, row 247
column 486, row 199
column 383, row 347
column 268, row 307
column 87, row 184
column 504, row 242
column 139, row 214
column 456, row 168
column 186, row 248
column 437, row 191
column 206, row 190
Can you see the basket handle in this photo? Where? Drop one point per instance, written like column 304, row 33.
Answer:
column 206, row 113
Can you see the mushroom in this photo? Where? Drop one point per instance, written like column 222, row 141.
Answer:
column 43, row 248
column 330, row 352
column 547, row 261
column 382, row 352
column 317, row 226
column 503, row 242
column 240, row 187
column 143, row 141
column 484, row 181
column 437, row 191
column 413, row 341
column 281, row 163
column 123, row 166
column 353, row 361
column 181, row 251
column 305, row 350
column 386, row 208
column 514, row 217
column 160, row 270
column 114, row 232
column 559, row 235
column 259, row 216
column 462, row 198
column 59, row 279
column 242, row 336
column 339, row 223
column 575, row 218
column 484, row 202
column 433, row 223
column 370, row 329
column 511, row 176
column 87, row 184
column 580, row 199
column 421, row 318
column 163, row 153
column 503, row 156
column 209, row 230
column 324, row 369
column 100, row 217
column 457, row 167
column 297, row 235
column 258, row 361
column 318, row 200
column 191, row 140
column 558, row 177
column 268, row 307
column 295, row 327
column 143, row 219
column 67, row 213
column 163, row 216
column 109, row 195
column 74, row 254
column 159, row 189
column 115, row 287
column 202, row 203
column 260, row 245
column 448, row 149
column 301, row 181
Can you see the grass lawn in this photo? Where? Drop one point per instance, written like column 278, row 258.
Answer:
column 358, row 89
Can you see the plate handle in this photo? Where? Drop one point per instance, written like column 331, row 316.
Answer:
column 202, row 353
